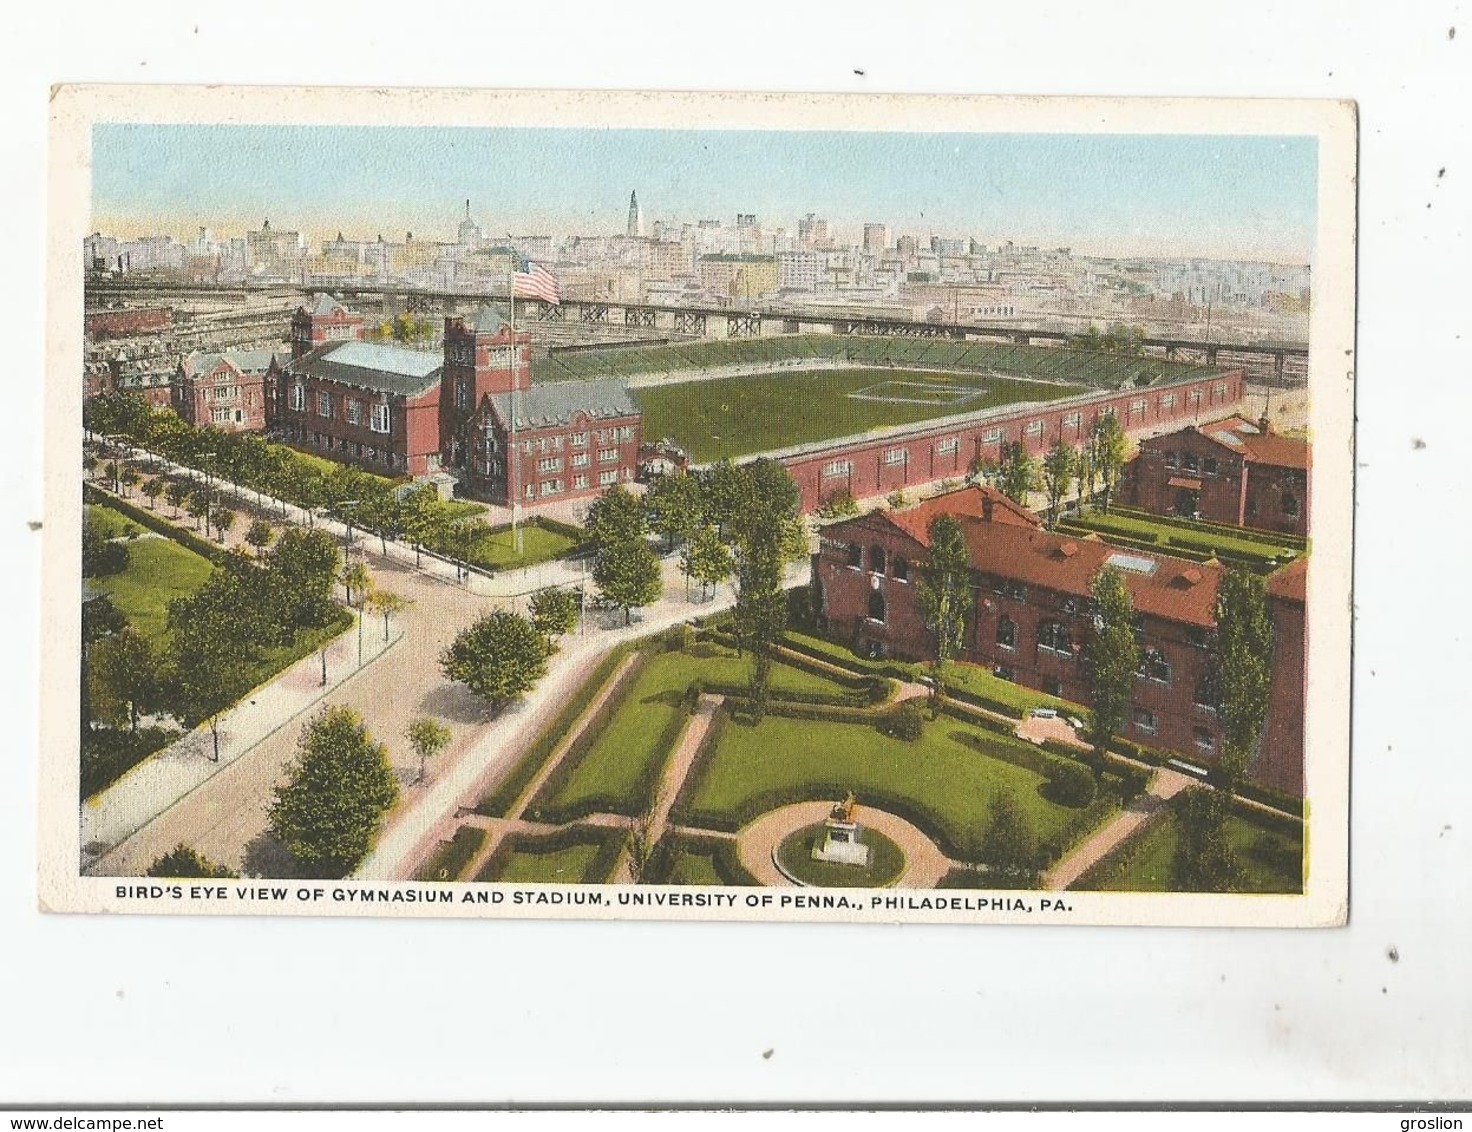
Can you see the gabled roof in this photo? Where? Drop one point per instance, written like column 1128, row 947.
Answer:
column 488, row 320
column 245, row 361
column 1291, row 582
column 544, row 406
column 326, row 304
column 1160, row 586
column 1239, row 435
column 965, row 502
column 374, row 366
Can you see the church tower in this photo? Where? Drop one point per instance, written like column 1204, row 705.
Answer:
column 481, row 358
column 636, row 218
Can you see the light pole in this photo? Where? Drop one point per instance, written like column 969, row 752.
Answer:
column 208, row 459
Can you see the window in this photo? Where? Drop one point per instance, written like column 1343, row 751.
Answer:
column 551, row 487
column 379, row 423
column 219, row 416
column 1007, row 633
column 876, row 559
column 876, row 606
column 899, row 569
column 528, row 446
column 579, row 482
column 324, row 405
column 626, row 433
column 1154, row 666
column 606, row 478
column 550, row 464
column 1145, row 721
column 1172, row 460
column 896, row 455
column 1207, row 695
column 1290, row 505
column 579, row 459
column 993, row 436
column 856, row 556
column 1072, row 420
column 531, row 491
column 239, row 416
column 1137, row 407
column 1210, row 465
column 353, row 409
column 1219, row 391
column 1167, row 402
column 580, row 440
column 1204, row 739
column 607, row 455
column 1190, row 462
column 837, row 468
column 1034, row 428
column 554, row 444
column 1055, row 637
column 947, row 446
column 1053, row 687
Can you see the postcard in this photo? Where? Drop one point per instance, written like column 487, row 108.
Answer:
column 698, row 506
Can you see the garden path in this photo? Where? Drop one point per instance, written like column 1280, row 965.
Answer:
column 1165, row 785
column 925, row 864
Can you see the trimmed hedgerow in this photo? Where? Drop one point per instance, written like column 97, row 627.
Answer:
column 157, row 523
column 452, row 856
column 607, row 841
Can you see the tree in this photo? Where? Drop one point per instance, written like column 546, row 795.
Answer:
column 198, row 506
column 428, row 737
column 1244, row 666
column 124, row 676
column 152, row 489
column 627, row 574
column 328, row 813
column 1111, row 659
column 1085, row 474
column 210, row 668
column 498, row 658
column 387, row 603
column 301, row 573
column 762, row 534
column 706, row 559
column 89, row 465
column 186, row 862
column 101, row 555
column 616, row 516
column 1018, row 473
column 1108, row 448
column 355, row 579
column 421, row 519
column 554, row 611
column 1204, row 860
column 224, row 520
column 1058, row 474
column 674, row 504
column 129, row 479
column 110, row 470
column 944, row 592
column 259, row 535
column 176, row 493
column 1010, row 845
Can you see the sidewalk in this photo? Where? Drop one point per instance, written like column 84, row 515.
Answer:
column 1139, row 813
column 162, row 779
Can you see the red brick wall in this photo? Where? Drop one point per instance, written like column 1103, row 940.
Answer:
column 1220, row 498
column 1280, row 757
column 308, row 331
column 869, row 475
column 194, row 401
column 1266, row 491
column 139, row 320
column 413, row 435
column 847, row 590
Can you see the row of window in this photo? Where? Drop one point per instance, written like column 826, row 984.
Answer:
column 898, row 565
column 379, row 417
column 359, row 451
column 579, row 483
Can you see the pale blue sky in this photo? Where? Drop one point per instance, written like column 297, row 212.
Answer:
column 1228, row 196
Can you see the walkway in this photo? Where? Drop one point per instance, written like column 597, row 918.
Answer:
column 925, row 864
column 1165, row 785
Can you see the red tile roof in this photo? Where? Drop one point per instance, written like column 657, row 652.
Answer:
column 1257, row 446
column 963, row 503
column 1172, row 588
column 1291, row 582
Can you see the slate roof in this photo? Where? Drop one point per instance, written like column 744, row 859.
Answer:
column 246, row 361
column 374, row 366
column 488, row 320
column 544, row 406
column 326, row 304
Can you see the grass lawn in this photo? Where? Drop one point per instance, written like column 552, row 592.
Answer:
column 109, row 522
column 456, row 509
column 449, row 862
column 690, row 867
column 497, row 551
column 159, row 570
column 1268, row 860
column 886, row 860
column 565, row 866
column 637, row 737
column 737, row 416
column 1165, row 535
column 946, row 779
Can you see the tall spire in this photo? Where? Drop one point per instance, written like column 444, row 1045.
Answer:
column 636, row 218
column 467, row 208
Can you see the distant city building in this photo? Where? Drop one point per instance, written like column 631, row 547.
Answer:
column 812, row 232
column 800, row 270
column 636, row 217
column 127, row 321
column 876, row 238
column 740, row 277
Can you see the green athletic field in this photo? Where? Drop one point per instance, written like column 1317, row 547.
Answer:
column 740, row 416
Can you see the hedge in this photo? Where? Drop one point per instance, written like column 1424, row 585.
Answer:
column 108, row 754
column 725, row 858
column 495, row 804
column 453, row 855
column 1226, row 530
column 743, row 691
column 610, row 842
column 156, row 522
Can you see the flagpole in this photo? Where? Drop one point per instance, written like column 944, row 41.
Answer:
column 515, row 454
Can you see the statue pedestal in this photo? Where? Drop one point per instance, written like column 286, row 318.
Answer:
column 840, row 845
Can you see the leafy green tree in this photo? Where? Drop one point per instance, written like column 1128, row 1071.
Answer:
column 100, row 620
column 89, row 465
column 302, row 571
column 944, row 592
column 428, row 737
column 762, row 537
column 1204, row 860
column 421, row 519
column 1058, row 474
column 1111, row 659
column 328, row 813
column 176, row 493
column 355, row 579
column 198, row 506
column 101, row 556
column 1010, row 845
column 616, row 516
column 186, row 862
column 1244, row 667
column 1108, row 448
column 224, row 520
column 110, row 470
column 124, row 673
column 554, row 611
column 1018, row 474
column 627, row 574
column 259, row 535
column 675, row 504
column 499, row 657
column 386, row 603
column 210, row 667
column 152, row 489
column 129, row 479
column 706, row 559
column 723, row 486
column 839, row 505
column 1086, row 474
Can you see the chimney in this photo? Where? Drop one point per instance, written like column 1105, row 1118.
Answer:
column 986, row 508
column 1264, row 425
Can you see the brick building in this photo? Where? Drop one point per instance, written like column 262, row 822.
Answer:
column 1032, row 615
column 228, row 390
column 126, row 321
column 97, row 380
column 1228, row 471
column 471, row 411
column 908, row 456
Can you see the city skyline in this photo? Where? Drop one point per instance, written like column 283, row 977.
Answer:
column 1191, row 196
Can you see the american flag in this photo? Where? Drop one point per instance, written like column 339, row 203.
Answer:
column 533, row 281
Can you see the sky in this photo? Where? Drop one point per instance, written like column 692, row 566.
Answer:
column 1230, row 197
